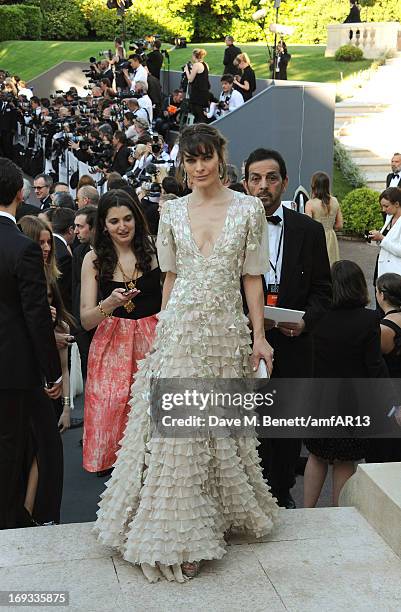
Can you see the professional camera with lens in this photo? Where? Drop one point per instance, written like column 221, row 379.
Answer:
column 184, row 78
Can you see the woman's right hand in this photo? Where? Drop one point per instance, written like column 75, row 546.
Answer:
column 118, row 298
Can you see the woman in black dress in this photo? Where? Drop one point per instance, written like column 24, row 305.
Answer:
column 44, row 457
column 198, row 79
column 347, row 345
column 246, row 83
column 388, row 296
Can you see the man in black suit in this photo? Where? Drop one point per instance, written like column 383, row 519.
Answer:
column 28, row 354
column 230, row 53
column 154, row 60
column 299, row 279
column 354, row 15
column 84, row 224
column 394, row 178
column 62, row 221
column 42, row 184
column 121, row 154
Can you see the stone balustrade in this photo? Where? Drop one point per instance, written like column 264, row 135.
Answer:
column 374, row 39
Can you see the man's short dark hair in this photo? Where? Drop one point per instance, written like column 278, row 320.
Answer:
column 62, row 199
column 35, row 99
column 227, row 78
column 262, row 155
column 11, row 181
column 90, row 213
column 171, row 185
column 157, row 44
column 120, row 136
column 62, row 219
column 106, row 81
column 135, row 56
column 55, row 185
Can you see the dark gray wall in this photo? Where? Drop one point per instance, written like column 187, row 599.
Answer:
column 296, row 118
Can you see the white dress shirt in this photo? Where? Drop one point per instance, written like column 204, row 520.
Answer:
column 395, row 180
column 274, row 241
column 141, row 74
column 7, row 215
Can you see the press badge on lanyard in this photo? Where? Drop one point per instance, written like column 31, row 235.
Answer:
column 272, row 291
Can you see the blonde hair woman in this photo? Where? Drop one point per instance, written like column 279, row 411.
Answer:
column 324, row 207
column 197, row 74
column 246, row 82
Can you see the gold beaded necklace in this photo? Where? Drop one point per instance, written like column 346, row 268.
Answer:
column 129, row 283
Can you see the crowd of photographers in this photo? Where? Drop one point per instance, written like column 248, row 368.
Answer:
column 124, row 123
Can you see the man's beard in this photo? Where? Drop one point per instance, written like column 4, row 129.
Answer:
column 269, row 204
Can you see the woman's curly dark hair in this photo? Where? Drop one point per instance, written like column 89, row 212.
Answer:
column 142, row 244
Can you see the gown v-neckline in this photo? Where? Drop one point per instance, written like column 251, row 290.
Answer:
column 219, row 237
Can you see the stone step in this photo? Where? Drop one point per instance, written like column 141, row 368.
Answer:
column 375, row 490
column 372, row 164
column 321, row 559
column 363, row 153
column 356, row 108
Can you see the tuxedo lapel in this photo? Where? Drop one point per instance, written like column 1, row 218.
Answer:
column 293, row 238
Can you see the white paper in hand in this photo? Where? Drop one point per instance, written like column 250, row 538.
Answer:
column 262, row 371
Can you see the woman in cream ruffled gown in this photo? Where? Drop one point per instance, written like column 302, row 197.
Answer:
column 170, row 501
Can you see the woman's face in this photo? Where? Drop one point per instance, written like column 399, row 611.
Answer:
column 202, row 170
column 45, row 242
column 120, row 224
column 390, row 208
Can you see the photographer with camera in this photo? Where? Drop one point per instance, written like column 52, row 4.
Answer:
column 121, row 153
column 136, row 73
column 137, row 111
column 229, row 100
column 8, row 124
column 170, row 113
column 154, row 60
column 144, row 101
column 197, row 74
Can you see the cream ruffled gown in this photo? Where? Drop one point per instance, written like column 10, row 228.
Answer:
column 171, row 500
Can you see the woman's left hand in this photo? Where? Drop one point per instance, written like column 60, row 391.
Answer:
column 262, row 350
column 64, row 422
column 376, row 236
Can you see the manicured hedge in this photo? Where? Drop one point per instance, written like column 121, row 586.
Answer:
column 12, row 22
column 33, row 21
column 361, row 211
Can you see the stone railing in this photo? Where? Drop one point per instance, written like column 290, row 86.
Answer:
column 374, row 39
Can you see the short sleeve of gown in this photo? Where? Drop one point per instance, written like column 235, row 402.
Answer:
column 166, row 250
column 257, row 242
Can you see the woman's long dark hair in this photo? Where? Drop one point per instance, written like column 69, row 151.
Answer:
column 349, row 285
column 320, row 186
column 390, row 285
column 142, row 245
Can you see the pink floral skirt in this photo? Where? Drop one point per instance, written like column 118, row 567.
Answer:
column 116, row 348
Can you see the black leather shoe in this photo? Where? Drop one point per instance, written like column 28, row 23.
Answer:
column 286, row 501
column 75, row 423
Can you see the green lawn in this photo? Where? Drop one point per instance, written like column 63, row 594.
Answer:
column 31, row 58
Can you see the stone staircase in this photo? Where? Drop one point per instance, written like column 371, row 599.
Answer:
column 369, row 124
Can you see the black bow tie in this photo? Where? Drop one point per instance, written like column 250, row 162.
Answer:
column 396, row 175
column 274, row 219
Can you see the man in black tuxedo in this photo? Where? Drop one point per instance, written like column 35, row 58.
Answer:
column 230, row 53
column 394, row 178
column 28, row 354
column 42, row 184
column 299, row 279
